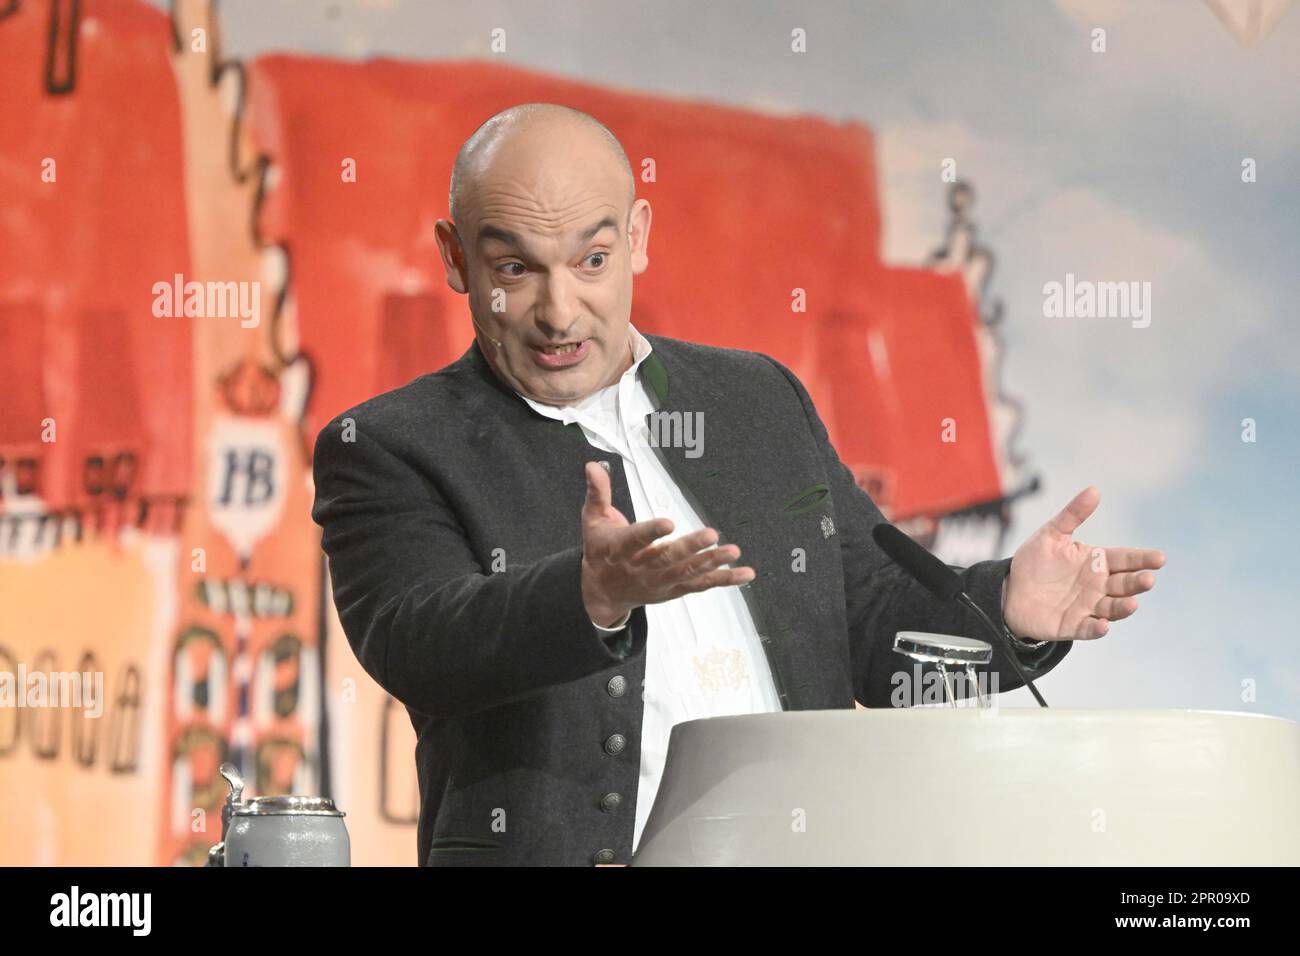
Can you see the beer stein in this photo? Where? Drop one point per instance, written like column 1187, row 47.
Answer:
column 278, row 831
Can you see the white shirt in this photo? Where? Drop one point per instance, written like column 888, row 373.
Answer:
column 703, row 656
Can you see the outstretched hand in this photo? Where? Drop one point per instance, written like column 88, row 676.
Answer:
column 623, row 566
column 1060, row 589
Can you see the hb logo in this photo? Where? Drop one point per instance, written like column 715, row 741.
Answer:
column 249, row 477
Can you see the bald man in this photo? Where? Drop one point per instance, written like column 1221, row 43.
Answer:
column 545, row 556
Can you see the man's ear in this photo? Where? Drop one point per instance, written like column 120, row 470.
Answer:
column 453, row 256
column 638, row 234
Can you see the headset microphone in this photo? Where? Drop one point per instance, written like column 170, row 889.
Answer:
column 495, row 342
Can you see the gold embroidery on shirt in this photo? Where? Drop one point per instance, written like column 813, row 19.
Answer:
column 720, row 670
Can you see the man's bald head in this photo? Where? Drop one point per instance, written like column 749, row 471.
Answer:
column 477, row 151
column 547, row 234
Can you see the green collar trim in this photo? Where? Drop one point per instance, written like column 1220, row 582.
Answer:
column 656, row 375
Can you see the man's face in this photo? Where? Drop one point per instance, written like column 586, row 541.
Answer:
column 548, row 260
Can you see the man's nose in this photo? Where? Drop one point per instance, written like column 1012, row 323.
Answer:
column 557, row 306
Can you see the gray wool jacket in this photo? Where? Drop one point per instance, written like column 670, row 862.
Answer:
column 450, row 516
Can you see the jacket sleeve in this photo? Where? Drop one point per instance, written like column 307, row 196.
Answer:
column 882, row 599
column 437, row 630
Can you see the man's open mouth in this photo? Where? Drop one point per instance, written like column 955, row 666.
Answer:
column 561, row 355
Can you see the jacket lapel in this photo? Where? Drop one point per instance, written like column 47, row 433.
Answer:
column 556, row 453
column 719, row 483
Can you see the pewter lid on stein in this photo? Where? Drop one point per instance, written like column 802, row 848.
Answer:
column 287, row 806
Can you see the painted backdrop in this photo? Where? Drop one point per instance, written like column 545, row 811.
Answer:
column 202, row 261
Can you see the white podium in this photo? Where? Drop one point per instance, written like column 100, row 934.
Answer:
column 964, row 786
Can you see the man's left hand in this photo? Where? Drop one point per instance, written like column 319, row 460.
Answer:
column 1060, row 589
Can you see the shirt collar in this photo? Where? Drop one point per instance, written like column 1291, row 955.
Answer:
column 569, row 413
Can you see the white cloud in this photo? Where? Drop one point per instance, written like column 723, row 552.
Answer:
column 1123, row 407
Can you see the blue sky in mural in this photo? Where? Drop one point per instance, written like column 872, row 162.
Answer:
column 1115, row 166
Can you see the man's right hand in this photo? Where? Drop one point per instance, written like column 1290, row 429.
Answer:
column 624, row 568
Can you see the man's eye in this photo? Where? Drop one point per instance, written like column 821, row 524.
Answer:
column 602, row 256
column 514, row 265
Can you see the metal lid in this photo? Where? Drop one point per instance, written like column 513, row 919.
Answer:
column 287, row 806
column 948, row 649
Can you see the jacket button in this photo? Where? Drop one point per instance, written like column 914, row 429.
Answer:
column 614, row 744
column 603, row 856
column 611, row 802
column 617, row 686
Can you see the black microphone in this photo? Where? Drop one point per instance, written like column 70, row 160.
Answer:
column 945, row 584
